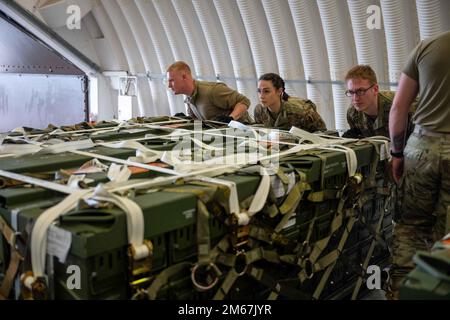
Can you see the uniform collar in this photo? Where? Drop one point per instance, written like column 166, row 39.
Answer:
column 282, row 108
column 378, row 122
column 281, row 117
column 193, row 97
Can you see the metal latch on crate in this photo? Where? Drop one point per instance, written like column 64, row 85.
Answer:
column 139, row 269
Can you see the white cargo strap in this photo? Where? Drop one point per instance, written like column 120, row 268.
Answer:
column 126, row 162
column 240, row 126
column 204, row 145
column 326, row 136
column 233, row 200
column 180, row 166
column 217, row 170
column 261, row 194
column 122, row 124
column 384, row 153
column 199, row 143
column 43, row 222
column 175, row 120
column 19, row 149
column 25, row 139
column 306, row 136
column 118, row 173
column 19, row 130
column 135, row 224
column 135, row 219
column 95, row 131
column 186, row 135
column 43, row 148
column 2, row 137
column 212, row 132
column 183, row 167
column 54, row 132
column 74, row 180
column 258, row 200
column 67, row 146
column 37, row 182
column 201, row 169
column 253, row 144
column 143, row 154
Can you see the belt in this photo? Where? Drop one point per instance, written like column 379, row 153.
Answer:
column 421, row 130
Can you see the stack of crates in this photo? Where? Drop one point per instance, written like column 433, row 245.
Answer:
column 99, row 236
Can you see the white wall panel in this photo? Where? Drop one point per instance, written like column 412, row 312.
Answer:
column 235, row 39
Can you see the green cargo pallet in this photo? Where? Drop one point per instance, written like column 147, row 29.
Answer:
column 337, row 223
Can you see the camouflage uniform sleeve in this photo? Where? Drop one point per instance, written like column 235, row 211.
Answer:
column 226, row 98
column 312, row 121
column 317, row 123
column 312, row 105
column 350, row 119
column 309, row 120
column 354, row 131
column 320, row 124
column 258, row 114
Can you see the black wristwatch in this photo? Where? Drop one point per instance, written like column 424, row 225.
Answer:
column 397, row 154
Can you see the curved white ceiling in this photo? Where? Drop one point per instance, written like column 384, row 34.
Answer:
column 311, row 44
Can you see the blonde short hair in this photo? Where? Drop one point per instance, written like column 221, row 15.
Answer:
column 361, row 71
column 179, row 66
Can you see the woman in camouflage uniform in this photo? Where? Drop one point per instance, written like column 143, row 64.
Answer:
column 278, row 110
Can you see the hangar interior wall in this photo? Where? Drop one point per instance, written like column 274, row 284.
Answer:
column 309, row 43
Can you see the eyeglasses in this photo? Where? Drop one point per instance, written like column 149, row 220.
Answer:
column 359, row 92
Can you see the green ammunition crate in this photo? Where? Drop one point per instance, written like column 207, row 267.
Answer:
column 99, row 236
column 183, row 242
column 430, row 279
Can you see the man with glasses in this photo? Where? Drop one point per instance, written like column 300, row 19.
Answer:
column 207, row 100
column 368, row 114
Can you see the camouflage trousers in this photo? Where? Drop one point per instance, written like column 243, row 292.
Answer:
column 425, row 192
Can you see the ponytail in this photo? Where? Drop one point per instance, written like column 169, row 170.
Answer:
column 277, row 82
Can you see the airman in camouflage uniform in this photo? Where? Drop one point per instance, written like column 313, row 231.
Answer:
column 300, row 101
column 368, row 115
column 426, row 159
column 278, row 110
column 207, row 100
column 302, row 116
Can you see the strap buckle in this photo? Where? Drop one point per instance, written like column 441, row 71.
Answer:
column 140, row 269
column 239, row 256
column 208, row 266
column 309, row 268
